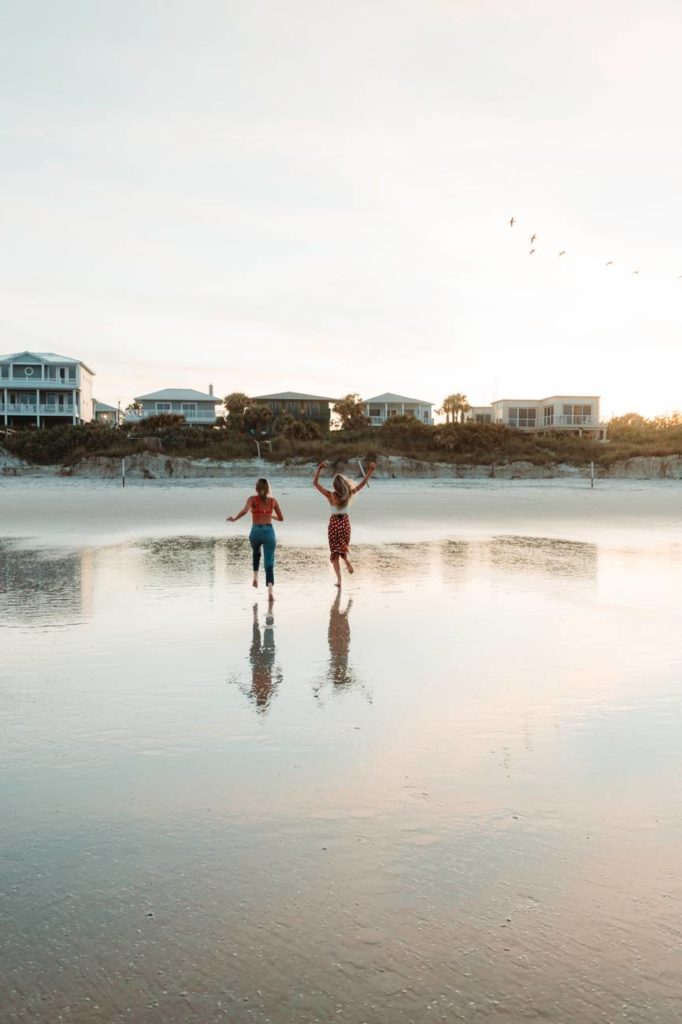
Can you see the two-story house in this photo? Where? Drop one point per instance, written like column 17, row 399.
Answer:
column 198, row 408
column 40, row 389
column 385, row 407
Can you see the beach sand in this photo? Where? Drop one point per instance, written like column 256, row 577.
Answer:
column 450, row 793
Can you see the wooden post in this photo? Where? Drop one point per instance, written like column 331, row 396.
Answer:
column 592, row 474
column 123, row 472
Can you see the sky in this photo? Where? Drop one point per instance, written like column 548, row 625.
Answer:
column 275, row 195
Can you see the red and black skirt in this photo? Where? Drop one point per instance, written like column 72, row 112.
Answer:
column 338, row 533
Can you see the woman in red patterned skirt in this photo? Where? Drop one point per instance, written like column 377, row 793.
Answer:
column 339, row 521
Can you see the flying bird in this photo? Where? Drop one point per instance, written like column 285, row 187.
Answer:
column 635, row 271
column 531, row 252
column 532, row 238
column 609, row 263
column 563, row 252
column 512, row 222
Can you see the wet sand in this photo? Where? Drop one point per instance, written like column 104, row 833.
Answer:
column 451, row 793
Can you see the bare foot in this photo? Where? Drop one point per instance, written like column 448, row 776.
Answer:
column 255, row 582
column 350, row 568
column 271, row 596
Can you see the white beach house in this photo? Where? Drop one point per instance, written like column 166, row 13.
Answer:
column 384, row 407
column 41, row 389
column 577, row 414
column 198, row 408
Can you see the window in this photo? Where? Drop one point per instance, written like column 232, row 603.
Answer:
column 521, row 417
column 548, row 415
column 375, row 411
column 577, row 414
column 392, row 412
column 426, row 415
column 4, row 372
column 163, row 407
column 483, row 417
column 189, row 408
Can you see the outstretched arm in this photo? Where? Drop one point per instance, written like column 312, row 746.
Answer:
column 233, row 519
column 276, row 511
column 317, row 484
column 365, row 479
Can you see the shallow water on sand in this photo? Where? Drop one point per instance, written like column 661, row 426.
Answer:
column 452, row 792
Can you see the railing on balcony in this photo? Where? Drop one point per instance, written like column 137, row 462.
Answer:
column 571, row 421
column 33, row 409
column 196, row 414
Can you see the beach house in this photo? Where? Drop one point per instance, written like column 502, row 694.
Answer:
column 198, row 408
column 384, row 407
column 103, row 413
column 41, row 389
column 576, row 414
column 310, row 408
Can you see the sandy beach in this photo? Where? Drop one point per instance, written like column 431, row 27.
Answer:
column 450, row 793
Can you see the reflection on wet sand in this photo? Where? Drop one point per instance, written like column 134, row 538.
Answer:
column 39, row 588
column 265, row 676
column 338, row 635
column 549, row 556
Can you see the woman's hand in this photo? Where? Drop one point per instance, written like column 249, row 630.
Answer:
column 372, row 466
column 229, row 519
column 321, row 465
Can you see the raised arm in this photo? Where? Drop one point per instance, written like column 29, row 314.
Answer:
column 318, row 485
column 365, row 479
column 276, row 510
column 233, row 519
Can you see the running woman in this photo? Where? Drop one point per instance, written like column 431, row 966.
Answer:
column 262, row 507
column 339, row 521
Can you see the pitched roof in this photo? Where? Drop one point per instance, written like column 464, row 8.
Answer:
column 391, row 398
column 102, row 406
column 178, row 395
column 291, row 396
column 45, row 357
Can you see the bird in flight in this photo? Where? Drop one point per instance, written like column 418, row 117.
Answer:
column 531, row 252
column 609, row 263
column 635, row 271
column 563, row 252
column 512, row 222
column 532, row 238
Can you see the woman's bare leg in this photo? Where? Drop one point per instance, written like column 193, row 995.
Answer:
column 255, row 580
column 348, row 564
column 271, row 596
column 337, row 569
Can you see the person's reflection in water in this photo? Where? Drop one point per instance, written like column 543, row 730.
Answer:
column 264, row 677
column 338, row 673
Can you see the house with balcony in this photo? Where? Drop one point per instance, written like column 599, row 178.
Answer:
column 479, row 414
column 198, row 408
column 309, row 408
column 385, row 407
column 576, row 414
column 42, row 389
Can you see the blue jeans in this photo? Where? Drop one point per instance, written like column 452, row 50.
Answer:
column 264, row 537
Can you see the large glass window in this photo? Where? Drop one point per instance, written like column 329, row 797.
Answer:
column 482, row 417
column 521, row 417
column 577, row 414
column 189, row 408
column 163, row 407
column 375, row 411
column 548, row 415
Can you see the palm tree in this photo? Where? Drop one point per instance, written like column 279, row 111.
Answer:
column 454, row 407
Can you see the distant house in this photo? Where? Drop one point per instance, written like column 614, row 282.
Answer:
column 315, row 408
column 576, row 414
column 103, row 413
column 479, row 414
column 42, row 389
column 384, row 407
column 197, row 408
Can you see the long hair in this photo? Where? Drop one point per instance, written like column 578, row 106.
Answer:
column 262, row 488
column 343, row 489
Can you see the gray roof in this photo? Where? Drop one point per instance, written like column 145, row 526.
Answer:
column 44, row 357
column 102, row 406
column 178, row 395
column 401, row 399
column 291, row 396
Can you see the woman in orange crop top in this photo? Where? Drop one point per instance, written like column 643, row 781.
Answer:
column 262, row 507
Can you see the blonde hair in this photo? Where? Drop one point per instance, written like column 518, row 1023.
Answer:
column 262, row 488
column 343, row 489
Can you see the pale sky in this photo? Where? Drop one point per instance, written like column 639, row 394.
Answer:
column 313, row 195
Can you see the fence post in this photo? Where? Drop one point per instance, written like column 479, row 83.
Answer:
column 592, row 474
column 123, row 472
